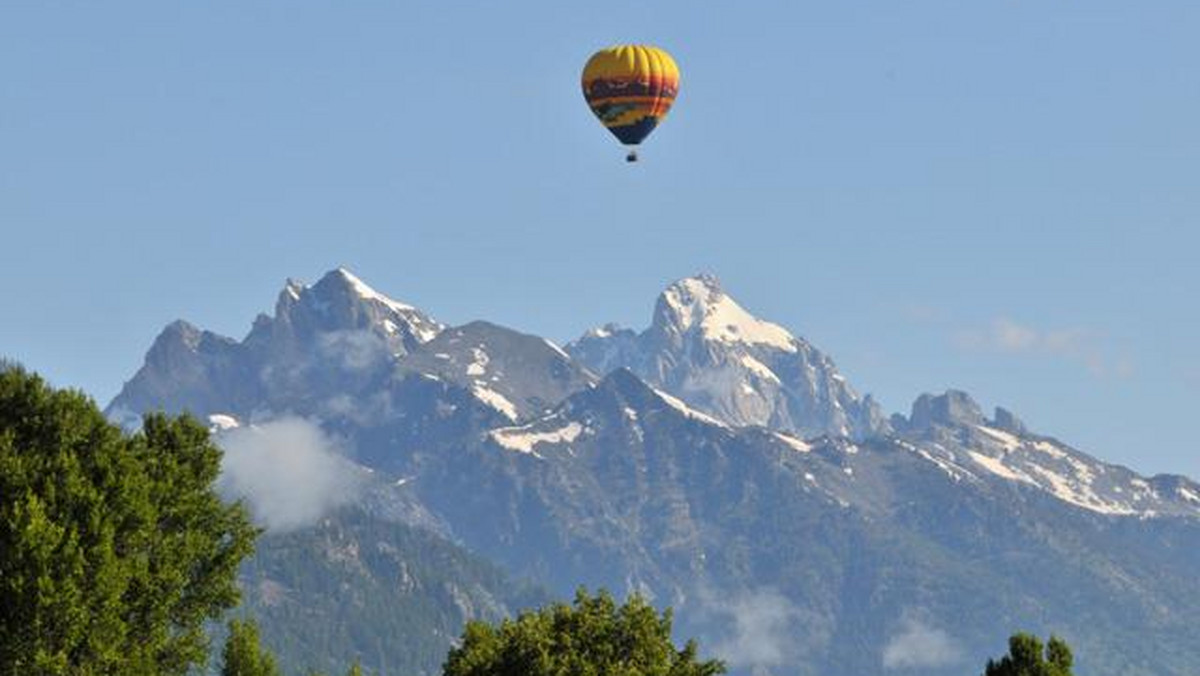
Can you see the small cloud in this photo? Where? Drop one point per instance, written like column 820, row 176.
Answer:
column 287, row 470
column 759, row 637
column 918, row 645
column 762, row 629
column 357, row 350
column 1079, row 346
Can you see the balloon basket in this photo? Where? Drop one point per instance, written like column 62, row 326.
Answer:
column 632, row 156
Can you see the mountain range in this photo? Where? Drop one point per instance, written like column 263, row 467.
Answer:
column 714, row 462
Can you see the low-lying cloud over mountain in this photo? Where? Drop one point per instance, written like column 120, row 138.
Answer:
column 288, row 472
column 918, row 645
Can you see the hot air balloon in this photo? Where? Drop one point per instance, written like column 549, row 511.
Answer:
column 630, row 88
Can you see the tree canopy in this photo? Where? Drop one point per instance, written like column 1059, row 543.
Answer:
column 115, row 548
column 243, row 656
column 593, row 636
column 1026, row 657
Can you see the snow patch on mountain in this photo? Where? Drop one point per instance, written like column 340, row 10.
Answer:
column 688, row 411
column 494, row 399
column 699, row 301
column 758, row 368
column 479, row 366
column 1080, row 493
column 795, row 443
column 1009, row 441
column 524, row 439
column 368, row 293
column 998, row 468
column 558, row 350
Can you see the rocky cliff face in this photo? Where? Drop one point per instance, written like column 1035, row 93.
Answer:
column 329, row 339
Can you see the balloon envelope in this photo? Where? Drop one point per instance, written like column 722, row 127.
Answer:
column 631, row 89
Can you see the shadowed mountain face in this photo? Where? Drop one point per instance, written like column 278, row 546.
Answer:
column 358, row 587
column 793, row 530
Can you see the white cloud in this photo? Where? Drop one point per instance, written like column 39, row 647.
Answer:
column 764, row 629
column 918, row 645
column 357, row 350
column 1079, row 346
column 287, row 470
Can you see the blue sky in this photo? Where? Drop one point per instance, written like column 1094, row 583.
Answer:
column 995, row 196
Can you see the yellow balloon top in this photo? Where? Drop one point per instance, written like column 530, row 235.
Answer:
column 633, row 62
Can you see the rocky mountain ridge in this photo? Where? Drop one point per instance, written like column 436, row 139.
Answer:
column 715, row 455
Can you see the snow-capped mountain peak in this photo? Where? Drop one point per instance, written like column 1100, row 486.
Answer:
column 366, row 292
column 340, row 301
column 707, row 350
column 700, row 304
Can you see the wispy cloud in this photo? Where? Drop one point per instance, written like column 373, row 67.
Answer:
column 761, row 629
column 919, row 645
column 1080, row 346
column 287, row 470
column 356, row 350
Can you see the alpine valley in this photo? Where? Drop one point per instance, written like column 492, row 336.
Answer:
column 714, row 462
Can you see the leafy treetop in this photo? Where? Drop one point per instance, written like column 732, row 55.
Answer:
column 592, row 637
column 115, row 549
column 1026, row 657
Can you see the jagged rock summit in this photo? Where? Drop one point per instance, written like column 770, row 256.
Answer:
column 340, row 302
column 705, row 348
column 951, row 431
column 336, row 334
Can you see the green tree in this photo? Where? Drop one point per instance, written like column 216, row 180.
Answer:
column 592, row 637
column 243, row 656
column 114, row 548
column 1026, row 657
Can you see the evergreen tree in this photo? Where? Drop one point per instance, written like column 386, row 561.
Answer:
column 1026, row 658
column 243, row 656
column 590, row 638
column 114, row 549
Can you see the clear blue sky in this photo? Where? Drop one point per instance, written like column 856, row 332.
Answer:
column 996, row 196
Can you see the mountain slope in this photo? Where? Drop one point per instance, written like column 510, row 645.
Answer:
column 518, row 374
column 356, row 587
column 623, row 487
column 794, row 530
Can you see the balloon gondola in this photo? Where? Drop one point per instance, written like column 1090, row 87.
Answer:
column 630, row 88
